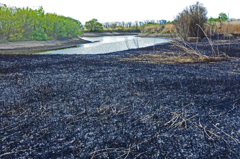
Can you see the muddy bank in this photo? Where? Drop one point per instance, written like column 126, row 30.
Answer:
column 28, row 46
column 107, row 34
column 83, row 106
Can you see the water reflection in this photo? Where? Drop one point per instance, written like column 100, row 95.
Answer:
column 107, row 44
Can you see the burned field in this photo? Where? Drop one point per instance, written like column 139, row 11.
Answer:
column 96, row 106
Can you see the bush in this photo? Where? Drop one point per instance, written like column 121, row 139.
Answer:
column 186, row 22
column 18, row 24
column 94, row 25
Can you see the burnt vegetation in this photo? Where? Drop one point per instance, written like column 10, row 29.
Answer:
column 95, row 106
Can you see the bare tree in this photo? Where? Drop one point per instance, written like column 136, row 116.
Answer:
column 123, row 23
column 136, row 23
column 118, row 24
column 110, row 24
column 162, row 21
column 152, row 21
column 106, row 24
column 129, row 24
column 146, row 21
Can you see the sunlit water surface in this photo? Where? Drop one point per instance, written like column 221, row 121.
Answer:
column 107, row 44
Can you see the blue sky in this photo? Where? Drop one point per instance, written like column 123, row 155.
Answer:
column 126, row 10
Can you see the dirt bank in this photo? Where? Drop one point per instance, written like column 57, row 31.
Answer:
column 221, row 36
column 28, row 46
column 96, row 106
column 107, row 34
column 153, row 35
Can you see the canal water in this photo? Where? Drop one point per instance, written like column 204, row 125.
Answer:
column 107, row 44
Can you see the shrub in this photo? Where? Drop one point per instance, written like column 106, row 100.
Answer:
column 94, row 25
column 186, row 22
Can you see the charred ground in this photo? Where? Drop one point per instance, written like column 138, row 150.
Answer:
column 83, row 106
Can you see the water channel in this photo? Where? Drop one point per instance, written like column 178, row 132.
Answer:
column 107, row 44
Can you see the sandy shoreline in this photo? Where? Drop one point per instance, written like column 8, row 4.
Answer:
column 28, row 46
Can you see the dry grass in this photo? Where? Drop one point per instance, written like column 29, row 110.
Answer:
column 152, row 29
column 169, row 58
column 232, row 27
column 169, row 28
column 227, row 28
column 224, row 28
column 186, row 54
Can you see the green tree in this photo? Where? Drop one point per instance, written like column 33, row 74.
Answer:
column 222, row 17
column 28, row 24
column 94, row 25
column 114, row 25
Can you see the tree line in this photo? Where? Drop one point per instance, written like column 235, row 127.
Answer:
column 94, row 25
column 28, row 24
column 130, row 24
column 187, row 23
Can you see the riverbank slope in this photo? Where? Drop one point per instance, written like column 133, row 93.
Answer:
column 27, row 46
column 99, row 34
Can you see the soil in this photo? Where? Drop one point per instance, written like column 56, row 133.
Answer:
column 99, row 34
column 83, row 106
column 29, row 46
column 152, row 35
